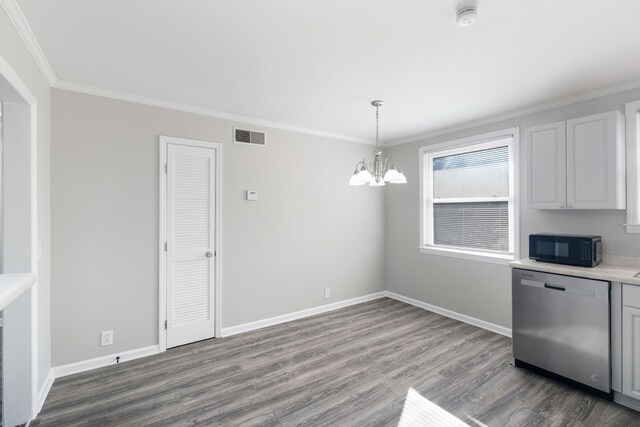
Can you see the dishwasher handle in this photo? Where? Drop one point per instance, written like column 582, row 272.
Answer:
column 554, row 287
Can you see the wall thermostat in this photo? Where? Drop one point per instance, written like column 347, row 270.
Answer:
column 252, row 195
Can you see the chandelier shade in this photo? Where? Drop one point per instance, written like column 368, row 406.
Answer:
column 360, row 177
column 377, row 171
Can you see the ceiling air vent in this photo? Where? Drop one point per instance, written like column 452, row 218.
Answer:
column 243, row 136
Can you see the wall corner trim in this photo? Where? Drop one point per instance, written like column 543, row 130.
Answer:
column 102, row 361
column 259, row 324
column 44, row 392
column 452, row 314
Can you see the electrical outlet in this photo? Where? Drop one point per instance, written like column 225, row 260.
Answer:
column 327, row 293
column 106, row 338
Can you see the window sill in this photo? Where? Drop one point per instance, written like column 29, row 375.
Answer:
column 472, row 255
column 633, row 228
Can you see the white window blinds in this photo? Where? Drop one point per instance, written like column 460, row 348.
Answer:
column 471, row 196
column 472, row 225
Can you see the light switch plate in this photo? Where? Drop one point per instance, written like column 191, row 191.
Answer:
column 252, row 195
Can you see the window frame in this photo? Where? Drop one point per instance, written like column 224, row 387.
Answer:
column 473, row 143
column 632, row 116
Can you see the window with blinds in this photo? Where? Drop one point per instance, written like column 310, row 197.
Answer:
column 469, row 197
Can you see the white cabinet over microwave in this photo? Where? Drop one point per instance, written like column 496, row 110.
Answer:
column 577, row 164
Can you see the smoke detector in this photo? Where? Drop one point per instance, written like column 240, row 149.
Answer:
column 466, row 16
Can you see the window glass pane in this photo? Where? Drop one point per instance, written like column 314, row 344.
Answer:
column 483, row 173
column 472, row 225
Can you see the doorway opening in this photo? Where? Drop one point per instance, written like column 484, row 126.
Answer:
column 18, row 247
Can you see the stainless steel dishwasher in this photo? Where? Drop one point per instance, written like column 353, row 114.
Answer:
column 561, row 328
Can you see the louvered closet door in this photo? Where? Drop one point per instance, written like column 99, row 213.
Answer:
column 190, row 243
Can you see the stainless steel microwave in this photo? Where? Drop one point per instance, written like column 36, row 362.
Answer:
column 570, row 249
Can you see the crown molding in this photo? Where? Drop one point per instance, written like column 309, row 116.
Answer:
column 24, row 30
column 19, row 21
column 560, row 102
column 21, row 25
column 156, row 102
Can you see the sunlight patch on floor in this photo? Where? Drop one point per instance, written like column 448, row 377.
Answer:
column 420, row 411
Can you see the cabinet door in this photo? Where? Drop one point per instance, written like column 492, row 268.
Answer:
column 595, row 162
column 546, row 166
column 631, row 352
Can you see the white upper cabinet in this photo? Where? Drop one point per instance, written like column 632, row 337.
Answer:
column 578, row 164
column 546, row 151
column 596, row 162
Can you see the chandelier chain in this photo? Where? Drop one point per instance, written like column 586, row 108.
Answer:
column 377, row 124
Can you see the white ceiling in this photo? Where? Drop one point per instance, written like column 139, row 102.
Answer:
column 317, row 64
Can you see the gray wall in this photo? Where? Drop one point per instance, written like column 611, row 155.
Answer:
column 475, row 288
column 15, row 53
column 309, row 230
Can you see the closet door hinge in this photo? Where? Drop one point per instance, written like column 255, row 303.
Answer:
column 166, row 168
column 165, row 324
column 165, row 246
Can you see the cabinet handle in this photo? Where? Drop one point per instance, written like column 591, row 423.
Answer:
column 562, row 207
column 569, row 207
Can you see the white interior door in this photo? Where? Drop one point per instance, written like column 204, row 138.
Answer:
column 190, row 222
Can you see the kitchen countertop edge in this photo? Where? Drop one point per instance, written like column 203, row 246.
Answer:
column 608, row 272
column 13, row 285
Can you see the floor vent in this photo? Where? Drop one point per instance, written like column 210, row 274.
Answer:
column 243, row 136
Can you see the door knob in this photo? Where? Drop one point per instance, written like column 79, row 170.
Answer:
column 209, row 254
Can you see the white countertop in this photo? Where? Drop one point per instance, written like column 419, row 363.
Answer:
column 12, row 285
column 613, row 269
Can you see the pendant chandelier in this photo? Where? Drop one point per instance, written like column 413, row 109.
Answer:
column 376, row 172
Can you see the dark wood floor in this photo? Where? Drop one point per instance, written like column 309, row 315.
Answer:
column 348, row 367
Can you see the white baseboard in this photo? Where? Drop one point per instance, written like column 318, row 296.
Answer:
column 99, row 362
column 259, row 324
column 44, row 392
column 452, row 314
column 627, row 401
